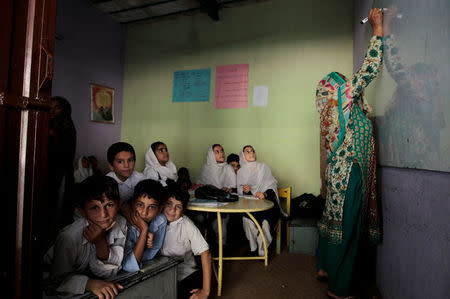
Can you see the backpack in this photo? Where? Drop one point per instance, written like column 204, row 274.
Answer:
column 213, row 193
column 307, row 206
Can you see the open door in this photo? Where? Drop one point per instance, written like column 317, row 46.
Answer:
column 26, row 66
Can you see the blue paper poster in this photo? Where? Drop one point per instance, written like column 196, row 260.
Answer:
column 191, row 85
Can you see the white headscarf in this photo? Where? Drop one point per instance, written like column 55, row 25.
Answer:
column 217, row 174
column 81, row 173
column 257, row 175
column 153, row 167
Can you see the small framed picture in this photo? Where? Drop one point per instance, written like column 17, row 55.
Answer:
column 102, row 104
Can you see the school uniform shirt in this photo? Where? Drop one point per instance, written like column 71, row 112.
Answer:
column 72, row 256
column 158, row 227
column 184, row 239
column 126, row 188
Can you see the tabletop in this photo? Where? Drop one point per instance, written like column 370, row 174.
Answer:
column 241, row 206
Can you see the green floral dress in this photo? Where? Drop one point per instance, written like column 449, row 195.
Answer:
column 349, row 139
column 351, row 205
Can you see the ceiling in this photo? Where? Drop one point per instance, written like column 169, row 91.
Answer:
column 132, row 11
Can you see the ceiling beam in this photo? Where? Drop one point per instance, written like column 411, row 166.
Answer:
column 177, row 12
column 211, row 7
column 162, row 16
column 141, row 6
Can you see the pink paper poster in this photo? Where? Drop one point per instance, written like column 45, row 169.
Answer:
column 231, row 86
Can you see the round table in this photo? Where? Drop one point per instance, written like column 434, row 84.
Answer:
column 243, row 205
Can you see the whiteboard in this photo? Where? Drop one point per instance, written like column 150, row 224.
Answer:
column 411, row 96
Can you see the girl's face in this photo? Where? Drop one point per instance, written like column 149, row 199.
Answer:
column 173, row 209
column 147, row 208
column 249, row 154
column 101, row 213
column 56, row 109
column 162, row 154
column 219, row 154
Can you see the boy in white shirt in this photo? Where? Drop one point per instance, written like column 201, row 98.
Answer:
column 92, row 246
column 183, row 238
column 121, row 160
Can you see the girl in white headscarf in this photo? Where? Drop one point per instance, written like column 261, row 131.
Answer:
column 216, row 171
column 158, row 165
column 83, row 170
column 254, row 178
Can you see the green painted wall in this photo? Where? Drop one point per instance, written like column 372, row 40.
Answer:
column 289, row 44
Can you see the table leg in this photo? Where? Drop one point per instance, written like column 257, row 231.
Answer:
column 262, row 236
column 219, row 280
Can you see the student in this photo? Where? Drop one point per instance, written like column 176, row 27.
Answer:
column 121, row 161
column 184, row 239
column 254, row 178
column 146, row 234
column 218, row 173
column 92, row 246
column 233, row 161
column 83, row 170
column 93, row 162
column 158, row 165
column 62, row 139
column 184, row 179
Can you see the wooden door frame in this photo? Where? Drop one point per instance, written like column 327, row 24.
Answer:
column 26, row 65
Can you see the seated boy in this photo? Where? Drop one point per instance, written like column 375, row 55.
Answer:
column 233, row 161
column 184, row 239
column 121, row 159
column 92, row 246
column 146, row 234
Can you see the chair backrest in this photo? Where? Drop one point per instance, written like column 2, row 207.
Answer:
column 285, row 199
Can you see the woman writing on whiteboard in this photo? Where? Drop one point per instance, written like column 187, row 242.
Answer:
column 349, row 177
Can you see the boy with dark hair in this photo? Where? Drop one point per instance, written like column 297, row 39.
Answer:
column 184, row 179
column 183, row 238
column 92, row 246
column 233, row 161
column 146, row 232
column 121, row 161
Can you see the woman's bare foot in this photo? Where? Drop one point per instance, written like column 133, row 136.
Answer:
column 331, row 295
column 322, row 275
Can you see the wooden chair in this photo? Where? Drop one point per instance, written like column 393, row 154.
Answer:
column 285, row 202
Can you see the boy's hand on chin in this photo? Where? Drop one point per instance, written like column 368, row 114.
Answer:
column 93, row 232
column 111, row 226
column 140, row 223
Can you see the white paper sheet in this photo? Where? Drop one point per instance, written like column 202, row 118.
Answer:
column 260, row 95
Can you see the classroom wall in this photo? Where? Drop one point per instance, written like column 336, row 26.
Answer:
column 413, row 260
column 290, row 45
column 91, row 51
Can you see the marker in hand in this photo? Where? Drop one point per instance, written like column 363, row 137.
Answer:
column 366, row 19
